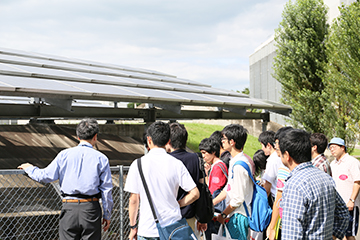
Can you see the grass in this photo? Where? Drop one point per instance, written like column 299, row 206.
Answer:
column 199, row 131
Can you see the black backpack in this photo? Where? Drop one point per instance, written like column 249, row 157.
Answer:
column 204, row 207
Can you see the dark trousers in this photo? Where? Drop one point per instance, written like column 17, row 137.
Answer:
column 80, row 221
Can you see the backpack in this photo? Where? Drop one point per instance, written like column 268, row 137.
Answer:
column 204, row 208
column 260, row 210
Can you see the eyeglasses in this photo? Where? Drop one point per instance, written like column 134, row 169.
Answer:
column 224, row 138
column 334, row 147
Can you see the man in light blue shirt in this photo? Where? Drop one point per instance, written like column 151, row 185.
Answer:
column 84, row 176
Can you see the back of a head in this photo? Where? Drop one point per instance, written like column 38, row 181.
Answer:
column 159, row 133
column 217, row 135
column 236, row 132
column 297, row 143
column 87, row 129
column 259, row 159
column 281, row 132
column 178, row 135
column 267, row 137
column 319, row 140
column 210, row 145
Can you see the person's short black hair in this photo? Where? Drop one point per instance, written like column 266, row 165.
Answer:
column 159, row 133
column 259, row 159
column 217, row 135
column 281, row 132
column 178, row 135
column 267, row 137
column 237, row 133
column 87, row 129
column 297, row 143
column 145, row 140
column 319, row 140
column 210, row 145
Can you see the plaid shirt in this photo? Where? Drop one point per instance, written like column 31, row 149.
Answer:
column 312, row 208
column 322, row 163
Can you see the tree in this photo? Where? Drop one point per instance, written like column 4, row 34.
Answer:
column 300, row 62
column 340, row 97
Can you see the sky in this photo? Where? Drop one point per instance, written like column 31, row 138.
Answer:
column 205, row 41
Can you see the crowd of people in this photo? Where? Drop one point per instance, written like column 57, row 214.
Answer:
column 310, row 198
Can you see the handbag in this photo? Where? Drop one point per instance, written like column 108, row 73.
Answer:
column 204, row 207
column 179, row 230
column 220, row 235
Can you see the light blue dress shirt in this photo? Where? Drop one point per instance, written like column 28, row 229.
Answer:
column 80, row 170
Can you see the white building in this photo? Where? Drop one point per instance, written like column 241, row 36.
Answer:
column 262, row 83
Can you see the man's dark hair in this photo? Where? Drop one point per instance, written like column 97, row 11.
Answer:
column 236, row 132
column 87, row 129
column 159, row 133
column 267, row 137
column 259, row 161
column 217, row 135
column 281, row 132
column 178, row 136
column 210, row 145
column 145, row 140
column 319, row 140
column 297, row 143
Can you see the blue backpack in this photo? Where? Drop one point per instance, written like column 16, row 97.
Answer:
column 260, row 210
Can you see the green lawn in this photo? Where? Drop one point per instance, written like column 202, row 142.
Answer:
column 199, row 131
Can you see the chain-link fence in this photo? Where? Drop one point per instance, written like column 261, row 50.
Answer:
column 30, row 210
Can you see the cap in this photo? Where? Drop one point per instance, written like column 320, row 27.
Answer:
column 338, row 141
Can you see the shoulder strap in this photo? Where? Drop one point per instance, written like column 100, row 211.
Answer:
column 244, row 165
column 146, row 189
column 222, row 169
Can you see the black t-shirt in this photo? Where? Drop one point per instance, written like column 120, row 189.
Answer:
column 191, row 162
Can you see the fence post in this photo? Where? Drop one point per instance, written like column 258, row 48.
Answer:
column 121, row 195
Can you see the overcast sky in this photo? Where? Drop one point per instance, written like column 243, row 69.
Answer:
column 206, row 41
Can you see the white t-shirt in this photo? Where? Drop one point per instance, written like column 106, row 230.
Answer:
column 273, row 164
column 345, row 172
column 240, row 187
column 164, row 174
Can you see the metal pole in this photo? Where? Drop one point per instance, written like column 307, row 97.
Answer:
column 121, row 195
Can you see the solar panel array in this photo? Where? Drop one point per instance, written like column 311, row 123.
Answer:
column 25, row 74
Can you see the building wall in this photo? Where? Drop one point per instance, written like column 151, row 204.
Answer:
column 262, row 83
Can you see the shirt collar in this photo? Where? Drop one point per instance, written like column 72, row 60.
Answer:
column 299, row 167
column 343, row 159
column 85, row 144
column 318, row 157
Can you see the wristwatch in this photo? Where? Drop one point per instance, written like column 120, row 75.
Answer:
column 134, row 226
column 352, row 200
column 223, row 215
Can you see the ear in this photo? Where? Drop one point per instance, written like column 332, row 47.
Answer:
column 314, row 148
column 286, row 156
column 95, row 138
column 148, row 140
column 232, row 142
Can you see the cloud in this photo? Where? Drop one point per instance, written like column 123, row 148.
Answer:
column 205, row 41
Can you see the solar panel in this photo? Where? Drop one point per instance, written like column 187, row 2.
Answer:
column 33, row 75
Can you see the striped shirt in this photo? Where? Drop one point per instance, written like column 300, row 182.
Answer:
column 322, row 163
